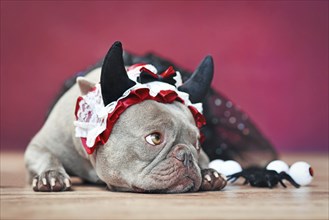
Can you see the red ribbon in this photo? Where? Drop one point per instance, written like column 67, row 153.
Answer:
column 165, row 74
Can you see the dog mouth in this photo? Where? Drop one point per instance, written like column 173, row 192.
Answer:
column 169, row 178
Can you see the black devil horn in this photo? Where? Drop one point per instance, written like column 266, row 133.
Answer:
column 198, row 84
column 114, row 78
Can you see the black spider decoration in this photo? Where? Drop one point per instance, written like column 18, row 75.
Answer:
column 261, row 177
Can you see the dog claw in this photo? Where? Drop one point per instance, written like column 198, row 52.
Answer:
column 207, row 177
column 34, row 182
column 52, row 182
column 44, row 181
column 67, row 183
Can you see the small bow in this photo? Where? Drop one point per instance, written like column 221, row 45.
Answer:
column 167, row 76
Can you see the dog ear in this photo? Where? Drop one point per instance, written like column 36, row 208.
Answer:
column 85, row 85
column 114, row 78
column 198, row 84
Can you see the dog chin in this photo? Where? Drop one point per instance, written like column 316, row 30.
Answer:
column 178, row 182
column 186, row 185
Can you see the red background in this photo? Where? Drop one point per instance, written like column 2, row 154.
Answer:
column 271, row 57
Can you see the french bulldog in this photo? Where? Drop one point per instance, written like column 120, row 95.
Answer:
column 153, row 146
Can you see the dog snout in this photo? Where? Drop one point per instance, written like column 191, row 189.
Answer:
column 184, row 155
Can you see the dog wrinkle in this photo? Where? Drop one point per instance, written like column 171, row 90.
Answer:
column 171, row 180
column 174, row 174
column 163, row 174
column 160, row 158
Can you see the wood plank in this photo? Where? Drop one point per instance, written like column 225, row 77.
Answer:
column 18, row 201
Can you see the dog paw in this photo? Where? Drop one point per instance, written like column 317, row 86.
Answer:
column 212, row 180
column 51, row 181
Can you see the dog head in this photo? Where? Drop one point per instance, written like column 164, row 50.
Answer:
column 153, row 146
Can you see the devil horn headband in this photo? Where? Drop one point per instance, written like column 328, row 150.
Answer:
column 97, row 111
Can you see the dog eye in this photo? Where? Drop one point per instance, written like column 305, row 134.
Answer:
column 154, row 138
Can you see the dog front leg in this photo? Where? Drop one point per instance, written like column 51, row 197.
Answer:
column 45, row 171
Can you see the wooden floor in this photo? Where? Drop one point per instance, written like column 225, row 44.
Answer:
column 94, row 202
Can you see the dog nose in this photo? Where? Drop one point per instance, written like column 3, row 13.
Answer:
column 184, row 155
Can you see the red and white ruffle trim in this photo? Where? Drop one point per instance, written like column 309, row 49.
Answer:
column 94, row 121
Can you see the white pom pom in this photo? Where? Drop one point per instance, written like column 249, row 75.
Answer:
column 215, row 164
column 301, row 172
column 278, row 166
column 230, row 167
